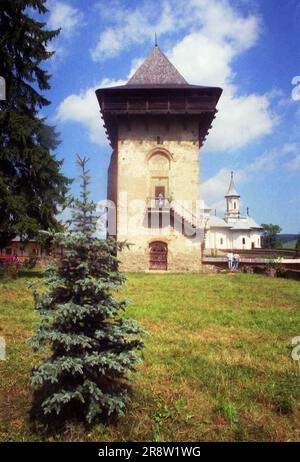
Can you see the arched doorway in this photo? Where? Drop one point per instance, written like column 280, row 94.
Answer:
column 158, row 255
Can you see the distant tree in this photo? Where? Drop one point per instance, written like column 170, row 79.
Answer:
column 31, row 184
column 270, row 236
column 297, row 246
column 93, row 347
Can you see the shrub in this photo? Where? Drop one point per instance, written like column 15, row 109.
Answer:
column 30, row 263
column 11, row 266
column 274, row 268
column 247, row 269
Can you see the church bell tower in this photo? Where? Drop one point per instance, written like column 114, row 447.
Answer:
column 232, row 201
column 156, row 124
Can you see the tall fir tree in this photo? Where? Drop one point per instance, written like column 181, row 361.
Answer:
column 31, row 184
column 93, row 347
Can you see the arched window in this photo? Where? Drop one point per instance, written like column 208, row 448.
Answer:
column 159, row 161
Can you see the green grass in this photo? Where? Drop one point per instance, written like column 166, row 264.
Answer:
column 217, row 365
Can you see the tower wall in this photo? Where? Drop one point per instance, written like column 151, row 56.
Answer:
column 150, row 155
column 233, row 206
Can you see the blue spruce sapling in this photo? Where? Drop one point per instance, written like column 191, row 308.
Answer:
column 93, row 347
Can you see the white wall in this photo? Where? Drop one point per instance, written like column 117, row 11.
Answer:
column 218, row 238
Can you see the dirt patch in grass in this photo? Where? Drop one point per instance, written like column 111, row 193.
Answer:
column 8, row 294
column 218, row 333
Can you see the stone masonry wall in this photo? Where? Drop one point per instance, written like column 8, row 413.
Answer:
column 149, row 155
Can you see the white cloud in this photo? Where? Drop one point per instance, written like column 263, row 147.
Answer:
column 131, row 26
column 217, row 20
column 289, row 155
column 84, row 109
column 240, row 120
column 64, row 16
column 68, row 19
column 217, row 35
column 294, row 164
column 291, row 148
column 214, row 189
column 225, row 34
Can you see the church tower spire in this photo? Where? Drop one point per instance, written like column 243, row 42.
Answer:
column 232, row 201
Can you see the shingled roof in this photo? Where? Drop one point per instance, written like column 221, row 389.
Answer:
column 157, row 89
column 157, row 70
column 232, row 192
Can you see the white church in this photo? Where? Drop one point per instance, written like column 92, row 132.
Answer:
column 234, row 231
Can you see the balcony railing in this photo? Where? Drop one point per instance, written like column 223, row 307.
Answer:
column 158, row 203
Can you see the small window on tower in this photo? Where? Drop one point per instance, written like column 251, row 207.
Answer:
column 160, row 219
column 234, row 205
column 221, row 241
column 158, row 140
column 244, row 240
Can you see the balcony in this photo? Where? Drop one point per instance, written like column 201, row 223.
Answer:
column 158, row 203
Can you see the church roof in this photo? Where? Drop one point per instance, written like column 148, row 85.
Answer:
column 242, row 223
column 248, row 223
column 232, row 192
column 217, row 222
column 157, row 70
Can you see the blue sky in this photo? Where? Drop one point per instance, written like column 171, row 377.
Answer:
column 250, row 48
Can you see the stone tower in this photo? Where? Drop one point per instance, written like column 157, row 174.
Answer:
column 156, row 124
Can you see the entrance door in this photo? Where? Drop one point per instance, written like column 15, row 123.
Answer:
column 158, row 256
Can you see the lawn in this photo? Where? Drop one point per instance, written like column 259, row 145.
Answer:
column 217, row 365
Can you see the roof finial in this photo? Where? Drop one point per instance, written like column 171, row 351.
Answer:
column 155, row 40
column 231, row 174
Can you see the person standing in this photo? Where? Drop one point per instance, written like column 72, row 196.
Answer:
column 236, row 259
column 230, row 259
column 160, row 200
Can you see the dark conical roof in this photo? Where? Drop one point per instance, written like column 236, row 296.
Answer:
column 157, row 70
column 232, row 190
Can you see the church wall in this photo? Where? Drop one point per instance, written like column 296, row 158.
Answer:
column 214, row 239
column 232, row 239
